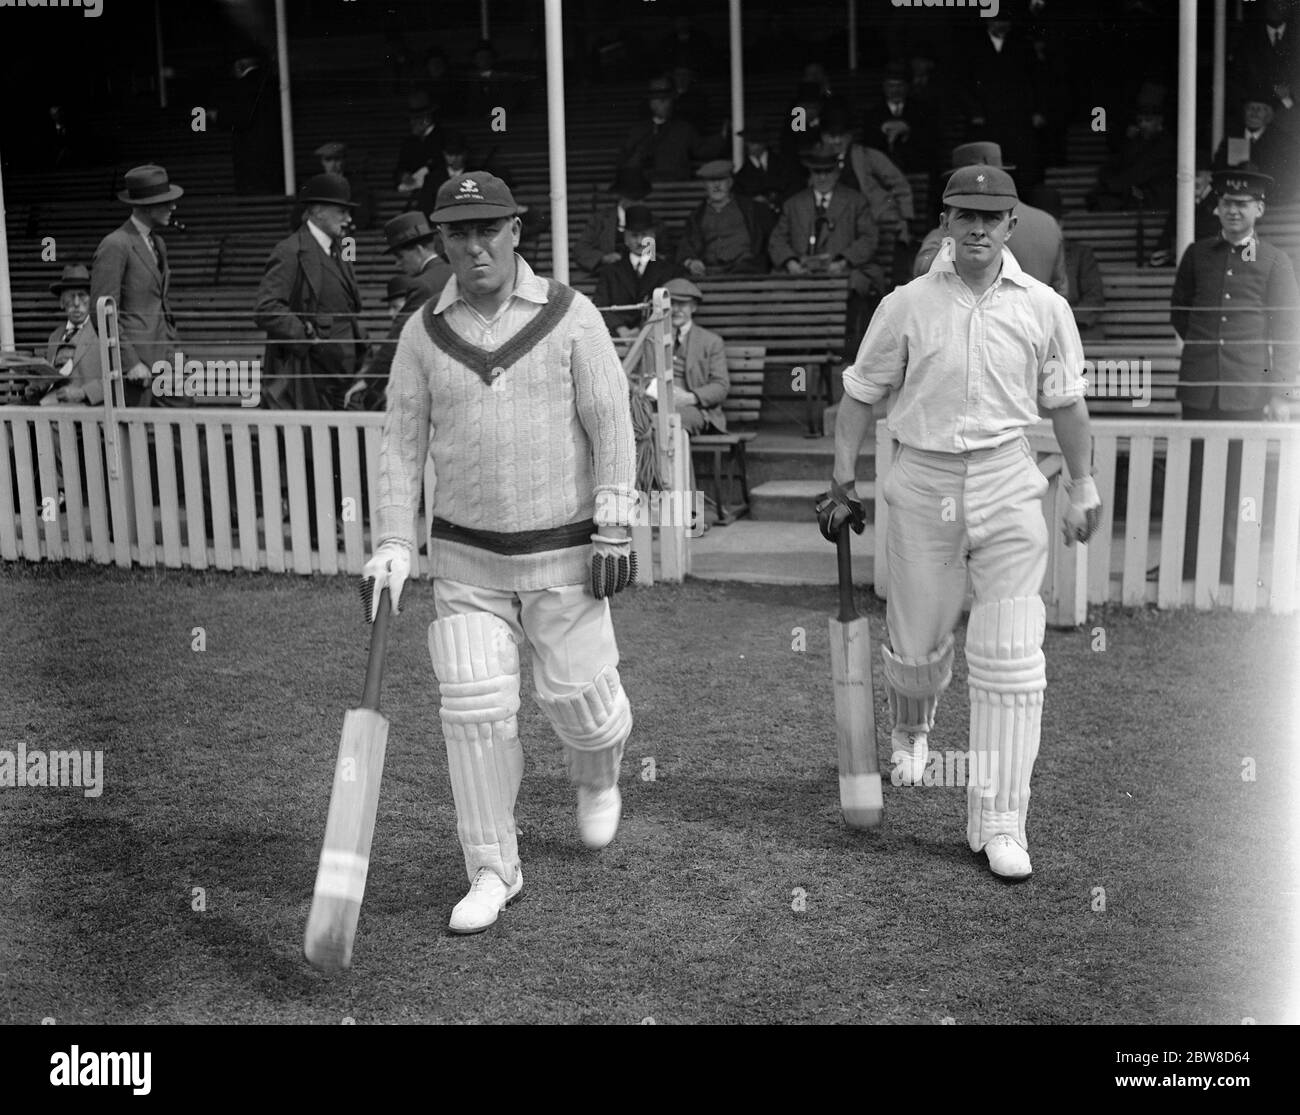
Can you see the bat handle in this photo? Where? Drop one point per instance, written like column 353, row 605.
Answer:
column 378, row 645
column 845, row 560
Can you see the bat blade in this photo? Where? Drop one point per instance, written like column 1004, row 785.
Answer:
column 345, row 856
column 861, row 797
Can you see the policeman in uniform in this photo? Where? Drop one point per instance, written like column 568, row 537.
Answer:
column 1236, row 307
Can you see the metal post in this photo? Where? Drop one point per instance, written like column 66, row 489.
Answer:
column 555, row 136
column 737, row 86
column 853, row 36
column 158, row 49
column 6, row 294
column 286, row 107
column 1186, row 125
column 1217, row 90
column 483, row 19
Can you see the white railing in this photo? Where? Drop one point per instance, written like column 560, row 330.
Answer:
column 1139, row 560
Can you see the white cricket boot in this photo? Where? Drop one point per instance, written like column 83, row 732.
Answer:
column 910, row 753
column 1007, row 859
column 598, row 815
column 488, row 896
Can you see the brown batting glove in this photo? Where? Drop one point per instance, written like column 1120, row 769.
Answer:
column 839, row 506
column 613, row 565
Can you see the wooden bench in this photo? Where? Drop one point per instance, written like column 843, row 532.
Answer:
column 742, row 407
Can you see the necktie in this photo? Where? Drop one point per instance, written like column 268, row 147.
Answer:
column 896, row 108
column 70, row 332
column 640, row 264
column 819, row 225
column 153, row 247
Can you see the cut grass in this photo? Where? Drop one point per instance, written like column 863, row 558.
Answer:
column 218, row 764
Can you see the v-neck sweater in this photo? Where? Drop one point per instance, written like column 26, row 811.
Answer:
column 529, row 444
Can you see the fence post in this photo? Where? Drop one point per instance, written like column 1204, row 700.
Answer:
column 674, row 460
column 121, row 489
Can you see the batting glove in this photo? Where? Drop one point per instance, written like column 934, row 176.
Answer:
column 613, row 565
column 389, row 569
column 1084, row 512
column 839, row 506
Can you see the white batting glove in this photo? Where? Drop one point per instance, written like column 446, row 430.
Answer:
column 389, row 569
column 1084, row 512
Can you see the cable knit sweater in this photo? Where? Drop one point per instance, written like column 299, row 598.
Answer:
column 531, row 443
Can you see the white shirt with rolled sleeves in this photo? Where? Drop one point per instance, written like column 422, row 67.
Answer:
column 968, row 372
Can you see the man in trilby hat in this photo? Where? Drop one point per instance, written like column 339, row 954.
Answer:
column 73, row 347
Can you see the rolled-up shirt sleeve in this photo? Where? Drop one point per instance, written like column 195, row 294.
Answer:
column 882, row 356
column 1061, row 373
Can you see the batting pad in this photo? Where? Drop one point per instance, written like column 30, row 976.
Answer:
column 593, row 724
column 915, row 685
column 1004, row 657
column 477, row 665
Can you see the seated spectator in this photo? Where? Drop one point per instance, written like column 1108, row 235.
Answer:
column 1036, row 242
column 488, row 87
column 333, row 158
column 690, row 102
column 457, row 159
column 767, row 177
column 870, row 172
column 828, row 227
column 700, row 379
column 663, row 146
column 803, row 121
column 901, row 126
column 1266, row 145
column 725, row 234
column 1142, row 173
column 601, row 241
column 422, row 148
column 632, row 276
column 1205, row 218
column 442, row 89
column 73, row 347
column 1266, row 54
column 815, row 76
column 1085, row 292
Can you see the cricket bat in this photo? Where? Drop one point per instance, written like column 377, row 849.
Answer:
column 345, row 856
column 861, row 800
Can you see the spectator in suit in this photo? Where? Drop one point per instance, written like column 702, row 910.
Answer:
column 995, row 86
column 767, row 177
column 422, row 148
column 663, row 146
column 806, row 111
column 457, row 159
column 130, row 264
column 1266, row 55
column 1037, row 243
column 1237, row 309
column 700, row 379
column 1205, row 217
column 601, row 241
column 73, row 346
column 1268, row 146
column 828, row 228
column 1085, row 290
column 309, row 304
column 488, row 87
column 814, row 76
column 903, row 127
column 726, row 234
column 253, row 117
column 413, row 243
column 870, row 172
column 690, row 102
column 633, row 276
column 333, row 158
column 1142, row 174
column 439, row 84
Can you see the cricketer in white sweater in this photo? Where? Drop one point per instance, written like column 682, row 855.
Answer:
column 526, row 421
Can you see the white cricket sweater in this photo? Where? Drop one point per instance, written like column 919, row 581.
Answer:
column 531, row 445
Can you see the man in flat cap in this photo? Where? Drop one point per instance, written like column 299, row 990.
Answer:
column 510, row 386
column 130, row 264
column 310, row 306
column 971, row 351
column 73, row 347
column 1236, row 308
column 700, row 378
column 726, row 234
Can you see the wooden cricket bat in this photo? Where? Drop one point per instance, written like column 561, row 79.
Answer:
column 345, row 855
column 861, row 800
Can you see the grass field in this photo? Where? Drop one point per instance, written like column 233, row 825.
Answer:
column 733, row 892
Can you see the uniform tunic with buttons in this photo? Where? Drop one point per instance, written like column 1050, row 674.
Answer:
column 1237, row 316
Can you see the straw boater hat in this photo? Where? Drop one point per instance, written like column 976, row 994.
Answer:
column 148, row 185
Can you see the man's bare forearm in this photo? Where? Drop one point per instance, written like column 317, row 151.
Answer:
column 852, row 424
column 1074, row 436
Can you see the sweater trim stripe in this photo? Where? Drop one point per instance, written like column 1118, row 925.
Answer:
column 484, row 363
column 515, row 542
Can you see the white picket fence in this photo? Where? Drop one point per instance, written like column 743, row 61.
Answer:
column 1115, row 565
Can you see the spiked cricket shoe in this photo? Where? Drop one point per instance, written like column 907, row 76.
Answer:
column 488, row 896
column 1007, row 859
column 598, row 815
column 911, row 751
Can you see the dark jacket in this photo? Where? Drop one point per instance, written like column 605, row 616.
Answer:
column 1238, row 319
column 1087, row 292
column 783, row 178
column 916, row 151
column 849, row 234
column 693, row 246
column 601, row 235
column 620, row 285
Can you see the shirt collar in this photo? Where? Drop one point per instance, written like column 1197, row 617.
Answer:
column 140, row 227
column 1011, row 269
column 1225, row 242
column 320, row 236
column 529, row 286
